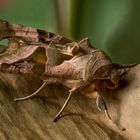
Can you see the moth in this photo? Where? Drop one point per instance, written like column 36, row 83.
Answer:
column 56, row 59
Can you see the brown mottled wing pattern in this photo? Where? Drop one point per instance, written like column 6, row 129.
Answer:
column 50, row 55
column 25, row 45
column 29, row 34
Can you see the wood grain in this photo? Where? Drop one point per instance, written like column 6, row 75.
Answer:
column 32, row 119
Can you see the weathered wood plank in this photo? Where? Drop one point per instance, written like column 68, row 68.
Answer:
column 32, row 119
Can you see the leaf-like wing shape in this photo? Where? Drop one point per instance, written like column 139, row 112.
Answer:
column 29, row 34
column 16, row 52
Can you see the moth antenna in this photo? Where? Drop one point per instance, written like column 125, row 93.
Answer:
column 31, row 95
column 64, row 106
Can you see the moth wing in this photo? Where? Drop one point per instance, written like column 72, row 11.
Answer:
column 86, row 47
column 15, row 52
column 56, row 57
column 29, row 34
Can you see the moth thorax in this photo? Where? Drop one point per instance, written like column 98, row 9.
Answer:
column 98, row 68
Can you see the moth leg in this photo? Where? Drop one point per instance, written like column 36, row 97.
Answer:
column 33, row 94
column 101, row 105
column 64, row 105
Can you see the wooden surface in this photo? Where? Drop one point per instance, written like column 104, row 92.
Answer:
column 32, row 119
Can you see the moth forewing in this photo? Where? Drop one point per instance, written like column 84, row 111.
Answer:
column 75, row 65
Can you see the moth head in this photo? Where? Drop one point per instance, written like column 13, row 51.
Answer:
column 116, row 74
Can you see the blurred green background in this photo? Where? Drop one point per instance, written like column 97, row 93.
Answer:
column 111, row 25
